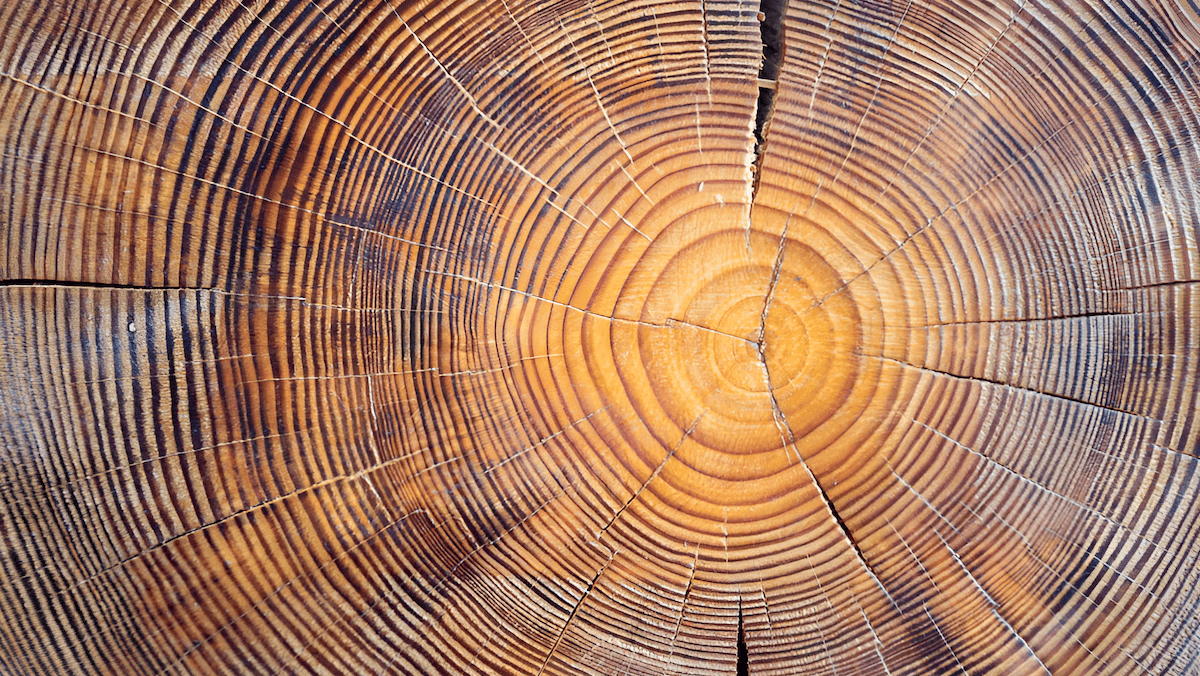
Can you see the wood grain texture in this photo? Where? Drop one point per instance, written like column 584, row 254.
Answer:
column 513, row 337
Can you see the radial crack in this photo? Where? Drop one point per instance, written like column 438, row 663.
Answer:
column 771, row 30
column 743, row 653
column 72, row 284
column 781, row 421
column 687, row 592
column 1020, row 388
column 789, row 437
column 653, row 476
column 574, row 612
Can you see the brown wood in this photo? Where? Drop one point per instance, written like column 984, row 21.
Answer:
column 509, row 337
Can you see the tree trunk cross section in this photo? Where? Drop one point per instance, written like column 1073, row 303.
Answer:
column 600, row 337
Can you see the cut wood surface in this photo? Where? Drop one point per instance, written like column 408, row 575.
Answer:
column 600, row 337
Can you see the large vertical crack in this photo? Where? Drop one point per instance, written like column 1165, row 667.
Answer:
column 743, row 653
column 771, row 31
column 771, row 15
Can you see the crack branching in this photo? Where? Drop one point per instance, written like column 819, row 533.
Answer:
column 787, row 436
column 770, row 17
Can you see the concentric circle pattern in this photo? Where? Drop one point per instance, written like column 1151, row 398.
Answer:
column 565, row 337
